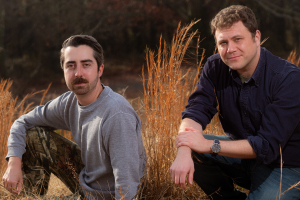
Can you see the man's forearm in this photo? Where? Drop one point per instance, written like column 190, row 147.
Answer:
column 188, row 123
column 235, row 149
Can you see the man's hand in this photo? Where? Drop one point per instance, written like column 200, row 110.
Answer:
column 193, row 139
column 13, row 179
column 183, row 166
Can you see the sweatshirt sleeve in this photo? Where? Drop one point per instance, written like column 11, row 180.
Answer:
column 49, row 114
column 121, row 140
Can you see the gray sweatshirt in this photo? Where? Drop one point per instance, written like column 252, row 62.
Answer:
column 108, row 132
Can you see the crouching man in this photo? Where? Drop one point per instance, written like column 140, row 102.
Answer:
column 259, row 104
column 108, row 158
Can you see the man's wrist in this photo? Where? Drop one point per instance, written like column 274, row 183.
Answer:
column 184, row 150
column 215, row 147
column 14, row 160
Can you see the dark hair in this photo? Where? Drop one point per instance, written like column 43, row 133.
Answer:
column 77, row 40
column 232, row 14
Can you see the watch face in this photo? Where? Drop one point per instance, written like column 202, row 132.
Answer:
column 216, row 148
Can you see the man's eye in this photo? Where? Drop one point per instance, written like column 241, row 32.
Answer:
column 87, row 64
column 70, row 66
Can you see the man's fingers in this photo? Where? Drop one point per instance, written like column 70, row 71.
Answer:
column 176, row 179
column 4, row 182
column 20, row 185
column 14, row 187
column 172, row 174
column 183, row 144
column 182, row 179
column 191, row 175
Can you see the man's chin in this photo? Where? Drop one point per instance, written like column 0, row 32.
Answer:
column 80, row 91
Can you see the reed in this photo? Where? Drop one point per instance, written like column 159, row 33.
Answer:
column 294, row 58
column 9, row 111
column 167, row 87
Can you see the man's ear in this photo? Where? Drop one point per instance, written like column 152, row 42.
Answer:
column 257, row 37
column 100, row 71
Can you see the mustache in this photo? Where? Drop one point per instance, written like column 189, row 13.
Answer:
column 79, row 80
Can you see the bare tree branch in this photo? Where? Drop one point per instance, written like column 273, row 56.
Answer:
column 278, row 11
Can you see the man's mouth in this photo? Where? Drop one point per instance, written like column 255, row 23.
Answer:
column 233, row 57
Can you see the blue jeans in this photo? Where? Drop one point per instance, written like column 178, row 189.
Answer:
column 216, row 176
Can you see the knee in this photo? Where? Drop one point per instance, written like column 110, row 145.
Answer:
column 202, row 158
column 38, row 132
column 31, row 134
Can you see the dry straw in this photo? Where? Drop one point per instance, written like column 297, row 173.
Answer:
column 9, row 111
column 167, row 87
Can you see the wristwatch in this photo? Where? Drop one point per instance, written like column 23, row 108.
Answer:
column 216, row 148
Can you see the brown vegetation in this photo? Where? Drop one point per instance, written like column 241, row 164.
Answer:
column 166, row 91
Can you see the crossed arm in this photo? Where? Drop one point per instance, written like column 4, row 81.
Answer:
column 190, row 138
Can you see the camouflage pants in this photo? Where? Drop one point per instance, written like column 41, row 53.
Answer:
column 48, row 152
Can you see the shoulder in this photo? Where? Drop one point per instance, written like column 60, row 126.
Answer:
column 214, row 60
column 278, row 65
column 117, row 104
column 118, row 113
column 215, row 63
column 280, row 73
column 66, row 98
column 215, row 57
column 215, row 69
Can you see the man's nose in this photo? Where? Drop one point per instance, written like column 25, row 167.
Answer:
column 78, row 72
column 231, row 47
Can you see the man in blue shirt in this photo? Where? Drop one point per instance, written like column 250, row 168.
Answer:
column 259, row 106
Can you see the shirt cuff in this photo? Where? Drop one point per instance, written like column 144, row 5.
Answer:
column 261, row 148
column 14, row 151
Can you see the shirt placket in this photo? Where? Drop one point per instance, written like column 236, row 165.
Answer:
column 244, row 100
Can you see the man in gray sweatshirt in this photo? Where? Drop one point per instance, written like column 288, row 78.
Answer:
column 108, row 159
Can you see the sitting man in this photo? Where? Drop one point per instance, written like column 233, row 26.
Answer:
column 259, row 109
column 109, row 158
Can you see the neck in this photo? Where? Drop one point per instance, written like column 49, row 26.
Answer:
column 90, row 97
column 249, row 71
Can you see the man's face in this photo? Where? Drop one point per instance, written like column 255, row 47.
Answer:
column 238, row 49
column 81, row 70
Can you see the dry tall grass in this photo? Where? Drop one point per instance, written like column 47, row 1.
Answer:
column 166, row 91
column 294, row 58
column 9, row 111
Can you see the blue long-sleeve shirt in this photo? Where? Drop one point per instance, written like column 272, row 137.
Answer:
column 265, row 110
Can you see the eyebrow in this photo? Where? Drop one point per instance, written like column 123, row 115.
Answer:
column 236, row 36
column 82, row 61
column 233, row 37
column 87, row 60
column 70, row 62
